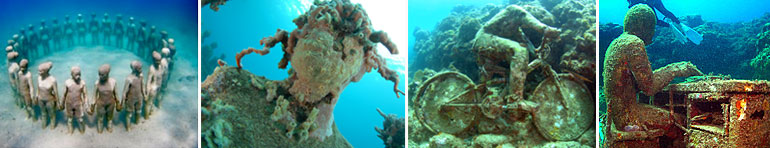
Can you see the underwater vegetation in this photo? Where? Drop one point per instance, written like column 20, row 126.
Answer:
column 333, row 45
column 486, row 77
column 238, row 115
column 393, row 133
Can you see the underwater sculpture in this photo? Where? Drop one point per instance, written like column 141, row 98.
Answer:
column 47, row 94
column 37, row 41
column 334, row 44
column 510, row 95
column 626, row 72
column 13, row 68
column 93, row 27
column 25, row 88
column 154, row 82
column 81, row 29
column 501, row 40
column 499, row 110
column 106, row 99
column 133, row 94
column 393, row 134
column 74, row 99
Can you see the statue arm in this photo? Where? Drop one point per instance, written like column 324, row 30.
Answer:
column 651, row 82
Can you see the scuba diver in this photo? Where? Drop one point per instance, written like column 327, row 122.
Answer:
column 656, row 5
column 683, row 32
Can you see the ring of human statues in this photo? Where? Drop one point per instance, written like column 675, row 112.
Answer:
column 41, row 97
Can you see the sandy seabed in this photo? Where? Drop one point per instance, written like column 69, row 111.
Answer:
column 175, row 124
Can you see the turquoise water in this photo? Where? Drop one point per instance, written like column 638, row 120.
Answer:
column 712, row 10
column 426, row 14
column 241, row 24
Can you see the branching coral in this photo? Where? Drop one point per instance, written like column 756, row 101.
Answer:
column 394, row 133
column 334, row 44
column 213, row 136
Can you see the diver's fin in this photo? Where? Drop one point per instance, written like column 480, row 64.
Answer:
column 684, row 33
column 691, row 34
column 678, row 33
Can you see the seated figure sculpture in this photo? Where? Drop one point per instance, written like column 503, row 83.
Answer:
column 627, row 71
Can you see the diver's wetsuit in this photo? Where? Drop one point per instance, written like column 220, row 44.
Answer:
column 656, row 5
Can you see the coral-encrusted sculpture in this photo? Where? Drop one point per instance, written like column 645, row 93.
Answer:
column 393, row 134
column 626, row 72
column 334, row 44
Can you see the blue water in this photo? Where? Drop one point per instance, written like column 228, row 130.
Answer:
column 426, row 14
column 711, row 10
column 241, row 24
column 169, row 14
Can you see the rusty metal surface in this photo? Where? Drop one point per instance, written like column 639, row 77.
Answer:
column 725, row 113
column 724, row 86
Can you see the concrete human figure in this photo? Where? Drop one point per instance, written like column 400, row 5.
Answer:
column 118, row 30
column 164, row 38
column 47, row 94
column 152, row 42
column 131, row 35
column 13, row 72
column 165, row 63
column 20, row 45
column 141, row 38
column 154, row 82
column 33, row 39
column 627, row 72
column 172, row 47
column 56, row 34
column 93, row 28
column 106, row 29
column 69, row 31
column 133, row 93
column 74, row 100
column 25, row 88
column 106, row 99
column 81, row 30
column 45, row 38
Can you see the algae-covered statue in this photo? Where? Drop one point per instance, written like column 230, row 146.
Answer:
column 627, row 71
column 334, row 44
